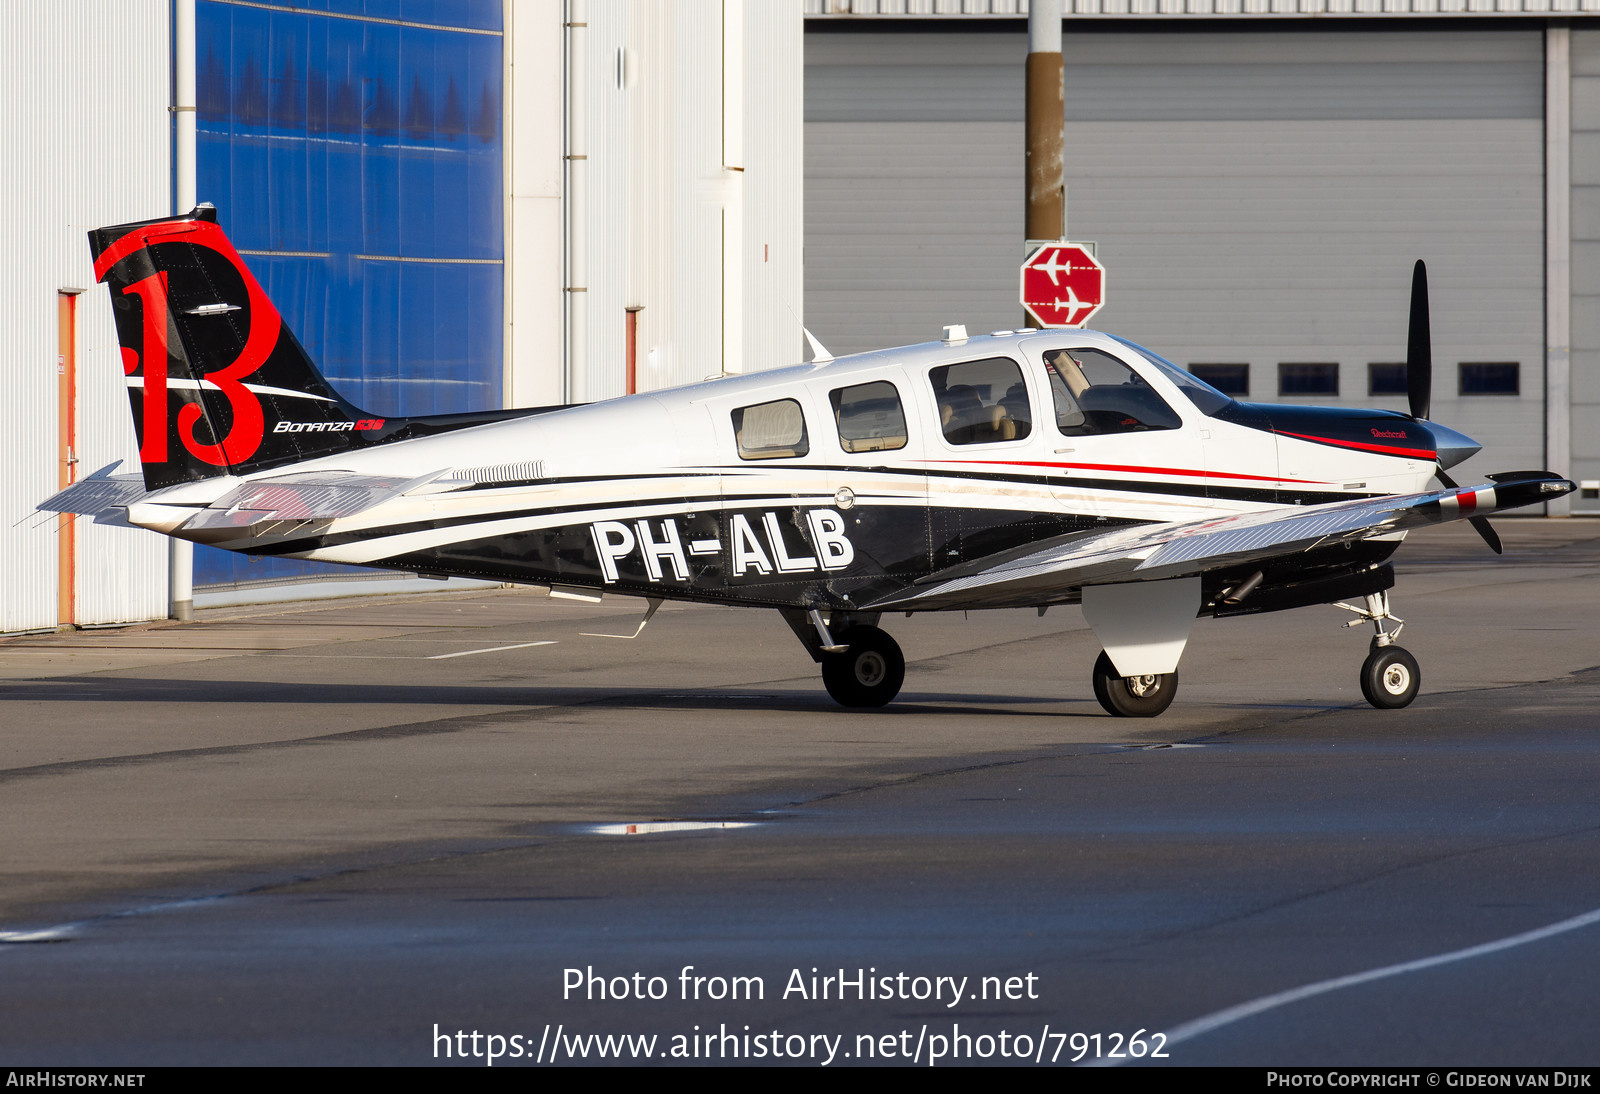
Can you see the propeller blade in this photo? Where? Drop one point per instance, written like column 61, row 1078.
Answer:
column 1480, row 524
column 1419, row 384
column 1419, row 346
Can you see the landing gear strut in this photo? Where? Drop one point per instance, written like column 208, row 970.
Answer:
column 1132, row 696
column 1390, row 676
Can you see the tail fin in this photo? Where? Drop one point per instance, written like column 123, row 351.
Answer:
column 219, row 385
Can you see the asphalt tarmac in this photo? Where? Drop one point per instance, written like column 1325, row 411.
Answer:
column 348, row 832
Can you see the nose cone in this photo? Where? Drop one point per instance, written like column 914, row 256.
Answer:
column 1453, row 447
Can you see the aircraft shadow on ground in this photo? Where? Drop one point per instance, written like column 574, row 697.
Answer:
column 89, row 689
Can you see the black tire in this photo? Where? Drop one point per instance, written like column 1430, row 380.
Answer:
column 1132, row 696
column 1390, row 678
column 869, row 673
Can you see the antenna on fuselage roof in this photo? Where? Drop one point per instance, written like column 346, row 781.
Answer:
column 819, row 352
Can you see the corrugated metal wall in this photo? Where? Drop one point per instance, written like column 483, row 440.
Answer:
column 1195, row 9
column 356, row 162
column 85, row 133
column 1258, row 198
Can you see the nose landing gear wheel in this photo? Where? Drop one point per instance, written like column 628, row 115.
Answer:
column 869, row 673
column 1390, row 677
column 1132, row 696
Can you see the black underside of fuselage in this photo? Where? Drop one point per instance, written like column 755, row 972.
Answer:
column 809, row 553
column 891, row 547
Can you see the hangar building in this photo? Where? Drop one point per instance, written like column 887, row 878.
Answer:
column 467, row 203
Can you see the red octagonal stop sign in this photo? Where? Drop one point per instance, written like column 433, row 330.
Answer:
column 1062, row 285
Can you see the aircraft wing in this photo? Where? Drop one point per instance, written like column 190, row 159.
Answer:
column 1149, row 552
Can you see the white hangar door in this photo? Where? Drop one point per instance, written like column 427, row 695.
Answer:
column 1258, row 198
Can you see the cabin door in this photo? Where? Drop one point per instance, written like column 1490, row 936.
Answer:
column 1119, row 449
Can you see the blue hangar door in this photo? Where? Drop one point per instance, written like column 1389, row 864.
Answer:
column 354, row 156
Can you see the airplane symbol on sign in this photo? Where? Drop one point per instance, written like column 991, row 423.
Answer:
column 1054, row 267
column 1071, row 303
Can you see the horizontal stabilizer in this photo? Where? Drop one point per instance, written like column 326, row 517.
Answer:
column 100, row 495
column 304, row 497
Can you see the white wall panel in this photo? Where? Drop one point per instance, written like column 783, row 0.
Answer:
column 605, row 229
column 712, row 255
column 85, row 139
column 534, row 170
column 700, row 188
column 774, row 180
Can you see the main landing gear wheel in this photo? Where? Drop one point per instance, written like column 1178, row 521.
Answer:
column 869, row 673
column 1390, row 677
column 1132, row 696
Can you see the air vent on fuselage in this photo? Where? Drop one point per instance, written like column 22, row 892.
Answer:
column 503, row 472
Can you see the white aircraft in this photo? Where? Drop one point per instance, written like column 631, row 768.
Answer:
column 1017, row 469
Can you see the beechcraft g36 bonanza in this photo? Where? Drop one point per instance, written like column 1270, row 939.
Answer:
column 1017, row 469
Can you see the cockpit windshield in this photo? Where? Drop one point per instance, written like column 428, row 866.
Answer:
column 1200, row 393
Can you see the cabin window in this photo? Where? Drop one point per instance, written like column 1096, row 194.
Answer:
column 869, row 417
column 982, row 401
column 1095, row 393
column 1206, row 398
column 770, row 431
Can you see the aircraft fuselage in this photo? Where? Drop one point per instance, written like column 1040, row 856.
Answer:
column 862, row 477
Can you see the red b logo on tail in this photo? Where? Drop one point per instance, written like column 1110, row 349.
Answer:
column 244, row 435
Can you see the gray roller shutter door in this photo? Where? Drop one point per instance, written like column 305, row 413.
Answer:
column 1258, row 198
